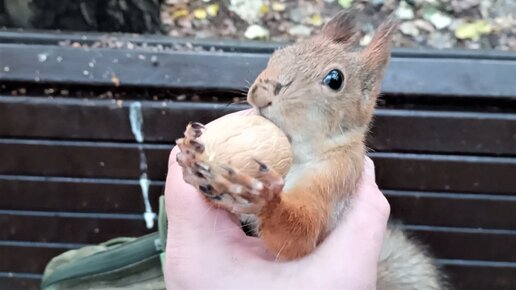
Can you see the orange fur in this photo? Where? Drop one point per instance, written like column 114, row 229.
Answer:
column 298, row 219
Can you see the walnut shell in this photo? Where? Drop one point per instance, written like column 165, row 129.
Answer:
column 238, row 140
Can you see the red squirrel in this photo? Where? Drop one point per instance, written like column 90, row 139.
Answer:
column 321, row 92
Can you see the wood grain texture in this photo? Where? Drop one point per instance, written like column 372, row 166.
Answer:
column 393, row 130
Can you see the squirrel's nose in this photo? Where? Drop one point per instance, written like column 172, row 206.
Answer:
column 258, row 97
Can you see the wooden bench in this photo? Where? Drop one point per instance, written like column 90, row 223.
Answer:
column 443, row 140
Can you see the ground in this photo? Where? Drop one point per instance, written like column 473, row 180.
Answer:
column 471, row 24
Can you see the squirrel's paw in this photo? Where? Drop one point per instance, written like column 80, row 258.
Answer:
column 245, row 194
column 225, row 186
column 190, row 148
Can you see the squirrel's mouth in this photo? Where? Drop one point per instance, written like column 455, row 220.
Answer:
column 264, row 112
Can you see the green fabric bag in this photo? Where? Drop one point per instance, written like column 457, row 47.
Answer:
column 120, row 263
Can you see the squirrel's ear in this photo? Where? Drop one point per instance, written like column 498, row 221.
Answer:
column 376, row 55
column 343, row 27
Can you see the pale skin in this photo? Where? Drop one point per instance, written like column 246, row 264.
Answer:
column 207, row 249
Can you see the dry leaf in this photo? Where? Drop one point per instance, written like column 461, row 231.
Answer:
column 200, row 13
column 256, row 32
column 213, row 9
column 315, row 20
column 345, row 3
column 178, row 13
column 472, row 30
column 278, row 7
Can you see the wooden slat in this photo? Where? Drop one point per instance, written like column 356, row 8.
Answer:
column 27, row 258
column 124, row 196
column 446, row 243
column 448, row 173
column 57, row 227
column 453, row 210
column 151, row 40
column 81, row 159
column 100, row 119
column 10, row 281
column 441, row 131
column 74, row 194
column 393, row 130
column 410, row 75
column 466, row 243
column 465, row 275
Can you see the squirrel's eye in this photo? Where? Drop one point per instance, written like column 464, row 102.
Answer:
column 333, row 79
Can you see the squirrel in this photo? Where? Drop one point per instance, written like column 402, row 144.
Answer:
column 321, row 92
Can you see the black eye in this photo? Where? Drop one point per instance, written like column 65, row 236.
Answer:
column 334, row 79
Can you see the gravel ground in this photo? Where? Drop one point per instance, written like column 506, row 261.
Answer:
column 471, row 24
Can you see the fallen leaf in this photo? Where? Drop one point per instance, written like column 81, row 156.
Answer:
column 404, row 11
column 213, row 9
column 409, row 28
column 424, row 25
column 200, row 13
column 345, row 3
column 264, row 9
column 247, row 10
column 178, row 13
column 436, row 17
column 472, row 30
column 256, row 31
column 315, row 20
column 463, row 5
column 300, row 30
column 278, row 7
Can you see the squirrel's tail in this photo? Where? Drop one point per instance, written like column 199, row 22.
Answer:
column 405, row 265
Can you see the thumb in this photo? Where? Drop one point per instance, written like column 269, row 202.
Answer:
column 190, row 218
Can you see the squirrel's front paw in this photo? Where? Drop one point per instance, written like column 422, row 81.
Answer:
column 226, row 186
column 245, row 194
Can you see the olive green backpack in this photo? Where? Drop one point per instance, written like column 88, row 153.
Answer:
column 120, row 263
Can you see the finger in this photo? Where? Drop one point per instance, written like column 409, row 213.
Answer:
column 247, row 112
column 189, row 215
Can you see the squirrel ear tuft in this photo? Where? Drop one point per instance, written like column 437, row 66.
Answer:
column 343, row 27
column 377, row 53
column 376, row 57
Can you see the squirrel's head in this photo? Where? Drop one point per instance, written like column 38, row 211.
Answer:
column 324, row 85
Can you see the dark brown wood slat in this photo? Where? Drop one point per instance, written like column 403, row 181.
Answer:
column 29, row 259
column 124, row 196
column 447, row 132
column 215, row 70
column 101, row 119
column 453, row 210
column 83, row 195
column 481, row 276
column 466, row 243
column 449, row 173
column 7, row 283
column 446, row 243
column 393, row 130
column 56, row 228
column 81, row 159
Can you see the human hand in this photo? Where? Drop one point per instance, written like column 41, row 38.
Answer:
column 206, row 248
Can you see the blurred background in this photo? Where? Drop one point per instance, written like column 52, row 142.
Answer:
column 471, row 24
